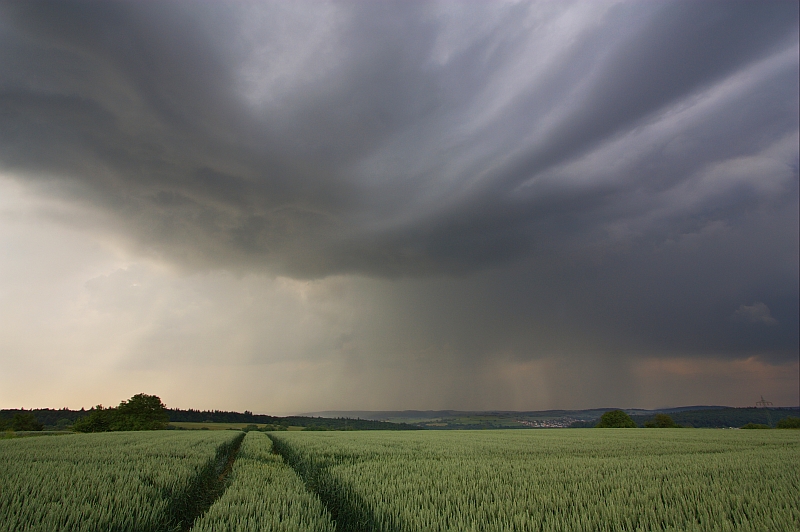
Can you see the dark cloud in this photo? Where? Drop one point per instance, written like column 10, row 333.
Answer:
column 569, row 178
column 667, row 54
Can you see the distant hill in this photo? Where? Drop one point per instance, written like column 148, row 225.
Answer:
column 701, row 416
column 382, row 415
column 716, row 417
column 726, row 417
column 688, row 416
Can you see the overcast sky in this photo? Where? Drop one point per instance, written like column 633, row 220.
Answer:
column 302, row 206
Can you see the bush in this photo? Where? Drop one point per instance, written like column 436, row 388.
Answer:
column 755, row 426
column 789, row 423
column 615, row 419
column 63, row 424
column 98, row 420
column 661, row 421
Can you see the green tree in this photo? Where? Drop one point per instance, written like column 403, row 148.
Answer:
column 141, row 412
column 789, row 423
column 99, row 419
column 755, row 426
column 25, row 421
column 615, row 419
column 661, row 421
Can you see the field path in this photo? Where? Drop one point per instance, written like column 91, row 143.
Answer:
column 215, row 487
column 265, row 495
column 348, row 509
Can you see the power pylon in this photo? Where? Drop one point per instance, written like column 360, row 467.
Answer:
column 763, row 403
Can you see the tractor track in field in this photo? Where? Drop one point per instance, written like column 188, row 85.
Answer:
column 213, row 488
column 349, row 512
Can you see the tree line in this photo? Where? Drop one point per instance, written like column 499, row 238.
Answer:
column 620, row 419
column 147, row 412
column 21, row 421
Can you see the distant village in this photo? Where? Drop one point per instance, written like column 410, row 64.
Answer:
column 555, row 423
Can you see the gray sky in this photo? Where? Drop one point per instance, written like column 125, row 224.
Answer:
column 297, row 206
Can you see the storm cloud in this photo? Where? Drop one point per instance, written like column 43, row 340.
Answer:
column 578, row 189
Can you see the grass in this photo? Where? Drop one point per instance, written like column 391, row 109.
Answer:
column 578, row 479
column 142, row 481
column 264, row 495
column 389, row 481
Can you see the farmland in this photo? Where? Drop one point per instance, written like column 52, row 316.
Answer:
column 139, row 481
column 265, row 494
column 609, row 479
column 613, row 479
